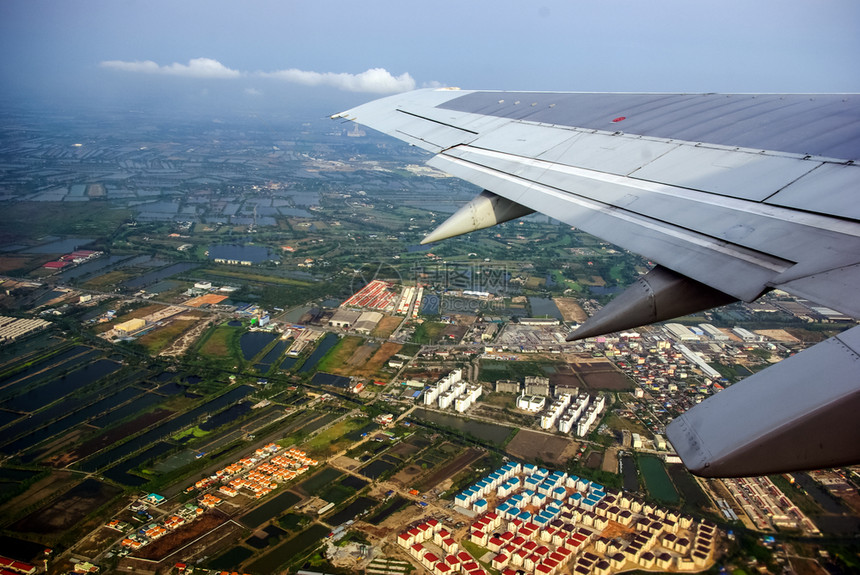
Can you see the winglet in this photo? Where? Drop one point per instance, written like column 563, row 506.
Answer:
column 487, row 209
column 658, row 295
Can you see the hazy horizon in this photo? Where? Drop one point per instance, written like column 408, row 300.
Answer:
column 216, row 57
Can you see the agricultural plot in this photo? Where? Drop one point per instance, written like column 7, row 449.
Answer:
column 449, row 469
column 355, row 356
column 222, row 342
column 179, row 327
column 270, row 509
column 490, row 432
column 334, row 439
column 493, row 370
column 289, row 550
column 69, row 509
column 527, row 445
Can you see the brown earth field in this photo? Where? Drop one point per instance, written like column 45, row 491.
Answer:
column 592, row 365
column 565, row 379
column 778, row 335
column 570, row 309
column 595, row 458
column 527, row 445
column 376, row 361
column 607, row 380
column 109, row 438
column 42, row 490
column 161, row 548
column 11, row 263
column 386, row 326
column 450, row 469
column 97, row 542
column 404, row 449
column 362, row 354
column 68, row 509
column 406, row 477
column 60, row 443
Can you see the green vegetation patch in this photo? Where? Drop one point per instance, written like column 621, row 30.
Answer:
column 336, row 493
column 157, row 339
column 493, row 370
column 339, row 354
column 221, row 342
column 195, row 432
column 335, row 438
column 320, row 480
column 657, row 481
column 429, row 332
column 34, row 219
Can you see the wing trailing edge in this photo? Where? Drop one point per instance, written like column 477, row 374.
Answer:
column 798, row 414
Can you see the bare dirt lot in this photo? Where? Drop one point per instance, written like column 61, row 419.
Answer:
column 608, row 380
column 109, row 438
column 570, row 309
column 386, row 326
column 408, row 475
column 163, row 547
column 778, row 335
column 68, row 509
column 450, row 469
column 362, row 354
column 404, row 449
column 530, row 444
column 42, row 490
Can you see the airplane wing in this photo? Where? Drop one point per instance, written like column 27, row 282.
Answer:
column 731, row 195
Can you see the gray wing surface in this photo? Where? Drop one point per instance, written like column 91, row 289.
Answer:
column 731, row 195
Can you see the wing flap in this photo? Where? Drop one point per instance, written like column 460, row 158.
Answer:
column 829, row 189
column 735, row 173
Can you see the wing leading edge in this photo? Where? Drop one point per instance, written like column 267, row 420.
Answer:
column 733, row 195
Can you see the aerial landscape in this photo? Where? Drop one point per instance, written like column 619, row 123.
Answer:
column 224, row 348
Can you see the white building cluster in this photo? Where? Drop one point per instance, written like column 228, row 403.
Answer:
column 590, row 416
column 571, row 416
column 548, row 419
column 567, row 413
column 452, row 390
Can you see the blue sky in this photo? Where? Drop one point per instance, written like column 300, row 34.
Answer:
column 338, row 54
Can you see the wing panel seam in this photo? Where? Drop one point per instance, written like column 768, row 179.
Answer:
column 755, row 257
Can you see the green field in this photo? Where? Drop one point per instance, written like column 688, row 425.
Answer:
column 657, row 481
column 222, row 342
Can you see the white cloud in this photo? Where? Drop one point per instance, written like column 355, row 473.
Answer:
column 253, row 92
column 196, row 68
column 375, row 80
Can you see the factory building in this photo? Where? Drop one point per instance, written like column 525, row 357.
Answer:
column 746, row 335
column 713, row 333
column 344, row 318
column 680, row 332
